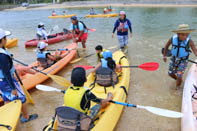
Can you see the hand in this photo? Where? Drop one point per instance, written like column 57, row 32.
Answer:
column 14, row 92
column 164, row 59
column 74, row 40
column 112, row 35
column 109, row 96
column 131, row 35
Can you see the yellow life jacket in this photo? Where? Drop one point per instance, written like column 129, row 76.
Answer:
column 73, row 98
column 100, row 55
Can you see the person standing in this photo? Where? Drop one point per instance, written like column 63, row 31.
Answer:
column 122, row 25
column 181, row 44
column 79, row 30
column 9, row 87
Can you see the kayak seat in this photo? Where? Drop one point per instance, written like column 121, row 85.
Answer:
column 43, row 63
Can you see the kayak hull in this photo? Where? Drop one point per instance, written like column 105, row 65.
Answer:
column 11, row 43
column 109, row 116
column 61, row 16
column 59, row 38
column 189, row 105
column 10, row 114
column 30, row 81
column 102, row 15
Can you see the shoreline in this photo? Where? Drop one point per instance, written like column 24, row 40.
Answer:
column 100, row 4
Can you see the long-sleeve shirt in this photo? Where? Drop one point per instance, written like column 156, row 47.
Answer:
column 42, row 32
column 5, row 65
column 127, row 25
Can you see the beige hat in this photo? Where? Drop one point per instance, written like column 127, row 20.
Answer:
column 183, row 28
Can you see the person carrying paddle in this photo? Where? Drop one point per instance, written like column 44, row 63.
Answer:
column 9, row 87
column 99, row 51
column 79, row 97
column 181, row 43
column 41, row 32
column 79, row 30
column 122, row 25
column 45, row 59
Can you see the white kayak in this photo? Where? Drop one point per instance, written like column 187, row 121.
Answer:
column 189, row 103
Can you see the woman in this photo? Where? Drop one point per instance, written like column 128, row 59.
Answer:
column 9, row 87
column 41, row 32
column 122, row 25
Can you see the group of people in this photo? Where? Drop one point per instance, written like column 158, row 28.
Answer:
column 55, row 14
column 105, row 10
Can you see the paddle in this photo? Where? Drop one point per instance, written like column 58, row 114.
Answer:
column 92, row 30
column 28, row 96
column 151, row 66
column 78, row 59
column 55, row 28
column 6, row 126
column 154, row 110
column 58, row 79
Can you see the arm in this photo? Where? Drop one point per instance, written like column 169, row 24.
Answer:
column 191, row 43
column 98, row 66
column 51, row 57
column 130, row 28
column 165, row 49
column 6, row 71
column 115, row 27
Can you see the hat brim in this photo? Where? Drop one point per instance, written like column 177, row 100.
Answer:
column 8, row 33
column 184, row 31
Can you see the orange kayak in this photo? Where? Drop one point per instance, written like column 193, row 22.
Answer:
column 30, row 81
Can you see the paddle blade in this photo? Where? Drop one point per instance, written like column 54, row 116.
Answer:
column 86, row 67
column 47, row 88
column 162, row 112
column 76, row 60
column 28, row 96
column 92, row 30
column 113, row 47
column 151, row 66
column 60, row 80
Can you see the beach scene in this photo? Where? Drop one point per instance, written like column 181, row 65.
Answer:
column 65, row 54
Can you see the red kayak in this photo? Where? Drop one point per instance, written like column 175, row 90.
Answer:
column 54, row 38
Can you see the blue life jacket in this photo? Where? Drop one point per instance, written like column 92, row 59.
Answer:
column 12, row 70
column 42, row 55
column 104, row 63
column 180, row 49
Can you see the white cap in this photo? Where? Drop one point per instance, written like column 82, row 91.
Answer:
column 122, row 13
column 41, row 24
column 4, row 33
column 42, row 45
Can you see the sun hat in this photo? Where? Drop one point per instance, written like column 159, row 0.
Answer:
column 42, row 45
column 183, row 28
column 41, row 24
column 122, row 13
column 4, row 33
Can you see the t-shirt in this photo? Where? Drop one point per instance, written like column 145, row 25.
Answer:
column 118, row 22
column 80, row 26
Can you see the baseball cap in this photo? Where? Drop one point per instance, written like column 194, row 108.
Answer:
column 4, row 33
column 42, row 45
column 73, row 18
column 122, row 13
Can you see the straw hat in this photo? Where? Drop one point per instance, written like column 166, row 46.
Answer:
column 183, row 28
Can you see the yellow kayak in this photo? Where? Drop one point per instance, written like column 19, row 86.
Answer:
column 109, row 116
column 102, row 15
column 11, row 43
column 61, row 16
column 10, row 114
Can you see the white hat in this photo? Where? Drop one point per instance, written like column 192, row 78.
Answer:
column 4, row 33
column 122, row 13
column 41, row 24
column 42, row 45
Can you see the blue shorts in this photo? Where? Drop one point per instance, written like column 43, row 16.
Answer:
column 6, row 92
column 123, row 40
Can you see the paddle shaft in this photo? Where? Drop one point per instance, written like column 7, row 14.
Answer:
column 6, row 126
column 124, row 104
column 192, row 61
column 27, row 65
column 129, row 66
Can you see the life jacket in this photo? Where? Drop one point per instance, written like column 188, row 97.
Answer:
column 180, row 49
column 12, row 69
column 53, row 14
column 100, row 55
column 42, row 59
column 123, row 27
column 73, row 98
column 77, row 31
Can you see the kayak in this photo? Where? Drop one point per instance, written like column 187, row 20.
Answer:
column 109, row 116
column 189, row 103
column 102, row 15
column 55, row 38
column 11, row 43
column 10, row 114
column 31, row 80
column 61, row 16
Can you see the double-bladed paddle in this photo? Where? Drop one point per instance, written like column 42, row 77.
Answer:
column 151, row 66
column 154, row 110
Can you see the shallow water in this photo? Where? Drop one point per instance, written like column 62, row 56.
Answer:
column 151, row 30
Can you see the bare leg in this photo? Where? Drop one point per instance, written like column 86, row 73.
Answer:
column 173, row 76
column 83, row 44
column 24, row 111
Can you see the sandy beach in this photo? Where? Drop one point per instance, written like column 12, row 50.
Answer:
column 101, row 4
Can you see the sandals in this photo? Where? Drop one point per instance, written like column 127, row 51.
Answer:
column 31, row 117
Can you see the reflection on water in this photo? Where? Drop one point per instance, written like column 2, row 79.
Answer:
column 151, row 30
